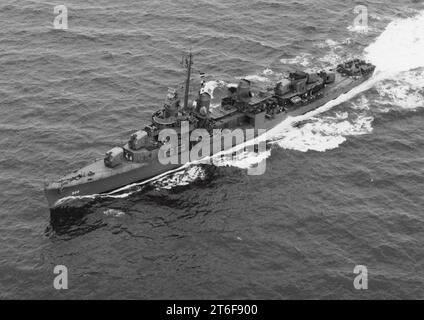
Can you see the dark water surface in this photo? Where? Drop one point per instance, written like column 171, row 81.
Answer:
column 342, row 189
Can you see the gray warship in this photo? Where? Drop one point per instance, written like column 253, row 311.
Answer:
column 138, row 159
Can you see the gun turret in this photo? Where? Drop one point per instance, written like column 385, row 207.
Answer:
column 138, row 140
column 282, row 87
column 113, row 157
column 328, row 77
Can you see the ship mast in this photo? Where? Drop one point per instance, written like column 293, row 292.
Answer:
column 188, row 64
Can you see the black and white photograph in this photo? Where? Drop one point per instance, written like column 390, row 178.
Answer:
column 223, row 152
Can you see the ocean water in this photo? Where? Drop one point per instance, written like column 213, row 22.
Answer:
column 344, row 187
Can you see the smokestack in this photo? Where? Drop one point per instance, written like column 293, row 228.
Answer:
column 243, row 91
column 203, row 104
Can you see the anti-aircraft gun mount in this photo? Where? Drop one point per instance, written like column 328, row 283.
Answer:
column 355, row 67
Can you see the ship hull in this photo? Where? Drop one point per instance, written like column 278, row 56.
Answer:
column 107, row 183
column 113, row 179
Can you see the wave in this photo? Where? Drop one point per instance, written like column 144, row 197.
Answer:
column 325, row 133
column 404, row 92
column 113, row 213
column 398, row 52
column 400, row 47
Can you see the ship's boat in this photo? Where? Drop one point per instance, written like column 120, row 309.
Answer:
column 139, row 158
